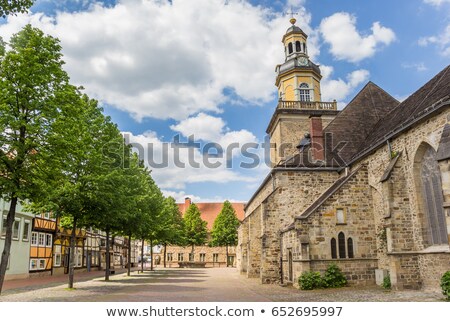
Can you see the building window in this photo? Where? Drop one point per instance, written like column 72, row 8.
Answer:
column 47, row 215
column 16, row 229
column 290, row 49
column 57, row 259
column 298, row 46
column 79, row 257
column 26, row 230
column 41, row 239
column 42, row 264
column 34, row 239
column 215, row 258
column 33, row 264
column 180, row 257
column 202, row 257
column 305, row 95
column 333, row 248
column 350, row 248
column 304, row 47
column 340, row 216
column 341, row 245
column 434, row 226
column 57, row 255
column 169, row 257
column 191, row 257
column 4, row 226
column 48, row 240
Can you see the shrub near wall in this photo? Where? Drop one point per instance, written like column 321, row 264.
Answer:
column 332, row 278
column 445, row 285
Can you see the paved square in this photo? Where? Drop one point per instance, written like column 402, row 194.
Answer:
column 200, row 285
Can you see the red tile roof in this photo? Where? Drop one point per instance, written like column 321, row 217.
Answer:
column 210, row 210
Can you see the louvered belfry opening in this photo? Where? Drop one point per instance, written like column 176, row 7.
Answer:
column 435, row 227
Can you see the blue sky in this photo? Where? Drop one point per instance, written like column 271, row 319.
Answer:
column 206, row 67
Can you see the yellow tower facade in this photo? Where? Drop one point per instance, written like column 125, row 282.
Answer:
column 300, row 97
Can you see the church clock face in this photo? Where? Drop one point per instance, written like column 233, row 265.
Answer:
column 303, row 61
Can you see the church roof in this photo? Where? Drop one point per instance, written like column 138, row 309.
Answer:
column 424, row 102
column 210, row 210
column 336, row 186
column 356, row 121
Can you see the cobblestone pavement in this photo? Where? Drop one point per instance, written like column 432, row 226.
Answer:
column 200, row 285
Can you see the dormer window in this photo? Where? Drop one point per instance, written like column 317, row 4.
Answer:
column 305, row 95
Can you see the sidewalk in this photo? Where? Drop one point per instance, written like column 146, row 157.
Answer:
column 54, row 280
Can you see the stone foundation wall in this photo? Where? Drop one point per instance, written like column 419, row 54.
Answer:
column 357, row 271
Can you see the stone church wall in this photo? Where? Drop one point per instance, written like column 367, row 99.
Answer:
column 399, row 218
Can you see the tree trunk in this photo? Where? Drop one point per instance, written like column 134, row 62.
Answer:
column 73, row 238
column 8, row 240
column 142, row 256
column 151, row 254
column 129, row 255
column 192, row 252
column 226, row 258
column 108, row 258
column 165, row 253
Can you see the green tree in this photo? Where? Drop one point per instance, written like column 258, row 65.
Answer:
column 33, row 87
column 8, row 7
column 196, row 232
column 225, row 228
column 172, row 232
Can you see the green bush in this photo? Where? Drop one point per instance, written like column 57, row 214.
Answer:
column 334, row 277
column 445, row 284
column 310, row 280
column 386, row 283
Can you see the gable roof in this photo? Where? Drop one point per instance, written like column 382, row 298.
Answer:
column 356, row 121
column 210, row 210
column 425, row 101
column 328, row 193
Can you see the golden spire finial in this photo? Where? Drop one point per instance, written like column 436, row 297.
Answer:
column 292, row 13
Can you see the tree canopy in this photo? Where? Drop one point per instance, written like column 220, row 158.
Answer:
column 196, row 232
column 8, row 7
column 225, row 227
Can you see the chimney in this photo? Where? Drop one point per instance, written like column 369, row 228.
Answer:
column 187, row 203
column 317, row 143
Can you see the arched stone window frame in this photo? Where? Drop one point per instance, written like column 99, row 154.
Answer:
column 342, row 247
column 333, row 246
column 431, row 213
column 290, row 48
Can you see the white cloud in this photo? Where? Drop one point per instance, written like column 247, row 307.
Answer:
column 347, row 43
column 442, row 41
column 339, row 89
column 169, row 60
column 165, row 162
column 436, row 3
column 212, row 129
column 420, row 67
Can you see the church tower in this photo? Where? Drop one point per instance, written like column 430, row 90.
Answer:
column 300, row 111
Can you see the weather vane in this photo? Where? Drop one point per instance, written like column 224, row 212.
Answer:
column 292, row 14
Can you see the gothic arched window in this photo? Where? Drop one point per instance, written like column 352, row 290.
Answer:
column 305, row 95
column 290, row 50
column 341, row 245
column 333, row 248
column 435, row 226
column 350, row 248
column 298, row 47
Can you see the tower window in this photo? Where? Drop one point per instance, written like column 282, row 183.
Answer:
column 298, row 47
column 304, row 47
column 290, row 49
column 305, row 95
